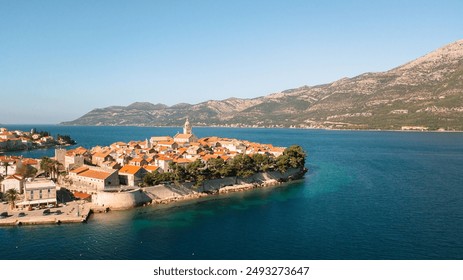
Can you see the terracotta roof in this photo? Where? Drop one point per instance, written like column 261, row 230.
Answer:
column 80, row 150
column 182, row 160
column 225, row 158
column 183, row 136
column 79, row 170
column 130, row 169
column 101, row 155
column 95, row 174
column 81, row 195
column 170, row 142
column 151, row 168
column 208, row 157
column 30, row 161
column 15, row 176
column 164, row 158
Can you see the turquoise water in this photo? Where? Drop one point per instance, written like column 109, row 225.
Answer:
column 368, row 195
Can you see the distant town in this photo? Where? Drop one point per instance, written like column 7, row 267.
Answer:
column 156, row 170
column 19, row 140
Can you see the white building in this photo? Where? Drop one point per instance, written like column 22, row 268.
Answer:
column 187, row 136
column 91, row 179
column 131, row 175
column 12, row 182
column 38, row 192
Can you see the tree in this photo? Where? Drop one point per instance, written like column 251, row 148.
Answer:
column 244, row 165
column 227, row 170
column 26, row 171
column 178, row 172
column 45, row 165
column 149, row 178
column 263, row 162
column 296, row 156
column 195, row 169
column 155, row 178
column 11, row 195
column 50, row 167
column 282, row 163
column 292, row 157
column 215, row 167
column 65, row 139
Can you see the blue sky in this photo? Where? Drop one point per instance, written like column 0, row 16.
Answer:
column 60, row 59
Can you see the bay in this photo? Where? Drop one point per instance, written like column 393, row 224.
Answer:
column 367, row 195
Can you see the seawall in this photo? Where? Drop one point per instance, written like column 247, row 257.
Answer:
column 167, row 193
column 121, row 200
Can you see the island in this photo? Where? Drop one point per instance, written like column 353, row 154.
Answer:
column 159, row 170
column 23, row 140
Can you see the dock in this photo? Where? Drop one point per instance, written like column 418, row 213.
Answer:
column 74, row 212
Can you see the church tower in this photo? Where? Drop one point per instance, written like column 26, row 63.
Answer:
column 187, row 127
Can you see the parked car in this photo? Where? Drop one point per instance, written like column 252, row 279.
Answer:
column 58, row 212
column 4, row 215
column 46, row 212
column 21, row 214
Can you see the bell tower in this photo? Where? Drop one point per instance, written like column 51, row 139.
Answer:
column 187, row 127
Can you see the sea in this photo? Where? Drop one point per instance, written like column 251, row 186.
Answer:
column 368, row 195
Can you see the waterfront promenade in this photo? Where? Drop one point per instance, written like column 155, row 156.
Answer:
column 72, row 212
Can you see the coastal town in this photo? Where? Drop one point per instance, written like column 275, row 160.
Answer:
column 123, row 175
column 18, row 140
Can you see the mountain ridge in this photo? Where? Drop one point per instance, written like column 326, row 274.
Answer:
column 425, row 94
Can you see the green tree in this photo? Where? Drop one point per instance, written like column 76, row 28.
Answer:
column 45, row 165
column 296, row 156
column 292, row 157
column 66, row 139
column 51, row 167
column 195, row 169
column 215, row 167
column 227, row 170
column 263, row 162
column 282, row 163
column 244, row 165
column 149, row 178
column 178, row 172
column 11, row 196
column 156, row 178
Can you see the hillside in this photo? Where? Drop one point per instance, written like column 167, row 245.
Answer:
column 426, row 93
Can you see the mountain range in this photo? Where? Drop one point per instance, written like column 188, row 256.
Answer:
column 424, row 94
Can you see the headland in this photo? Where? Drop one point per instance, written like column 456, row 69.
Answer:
column 160, row 170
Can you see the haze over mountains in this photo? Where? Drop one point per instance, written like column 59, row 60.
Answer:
column 426, row 93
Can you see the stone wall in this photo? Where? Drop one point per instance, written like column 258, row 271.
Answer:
column 172, row 192
column 121, row 200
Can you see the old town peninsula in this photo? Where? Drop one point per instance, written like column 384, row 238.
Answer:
column 159, row 170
